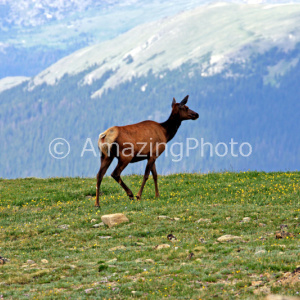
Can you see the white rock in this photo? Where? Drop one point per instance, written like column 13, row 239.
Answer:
column 228, row 238
column 114, row 219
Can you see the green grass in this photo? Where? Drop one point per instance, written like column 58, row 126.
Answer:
column 81, row 266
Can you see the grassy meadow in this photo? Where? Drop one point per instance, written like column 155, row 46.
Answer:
column 54, row 252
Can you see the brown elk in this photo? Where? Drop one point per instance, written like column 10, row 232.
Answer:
column 147, row 140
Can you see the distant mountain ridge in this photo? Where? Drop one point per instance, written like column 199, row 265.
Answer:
column 187, row 37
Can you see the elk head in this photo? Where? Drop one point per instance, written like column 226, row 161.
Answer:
column 183, row 111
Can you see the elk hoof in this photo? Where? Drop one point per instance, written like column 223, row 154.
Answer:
column 138, row 197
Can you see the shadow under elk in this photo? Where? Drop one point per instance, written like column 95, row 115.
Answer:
column 147, row 140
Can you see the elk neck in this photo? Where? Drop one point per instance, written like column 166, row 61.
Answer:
column 171, row 126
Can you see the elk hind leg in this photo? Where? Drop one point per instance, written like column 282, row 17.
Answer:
column 105, row 163
column 116, row 175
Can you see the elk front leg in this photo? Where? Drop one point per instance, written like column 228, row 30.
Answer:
column 146, row 175
column 154, row 174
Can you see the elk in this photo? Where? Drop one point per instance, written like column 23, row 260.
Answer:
column 147, row 140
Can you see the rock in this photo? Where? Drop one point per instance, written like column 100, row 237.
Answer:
column 167, row 218
column 30, row 262
column 262, row 290
column 283, row 234
column 73, row 267
column 117, row 248
column 228, row 218
column 149, row 261
column 105, row 237
column 112, row 261
column 114, row 219
column 139, row 244
column 98, row 225
column 171, row 237
column 93, row 220
column 64, row 226
column 260, row 252
column 228, row 238
column 202, row 240
column 256, row 283
column 203, row 221
column 162, row 246
column 3, row 260
column 88, row 290
column 282, row 226
column 163, row 217
column 246, row 219
column 262, row 225
column 280, row 297
column 44, row 261
column 33, row 265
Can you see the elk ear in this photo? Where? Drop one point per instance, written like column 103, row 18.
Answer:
column 173, row 102
column 184, row 101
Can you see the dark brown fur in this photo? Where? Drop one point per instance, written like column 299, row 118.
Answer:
column 148, row 139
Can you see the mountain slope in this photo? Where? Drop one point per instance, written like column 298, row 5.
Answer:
column 210, row 36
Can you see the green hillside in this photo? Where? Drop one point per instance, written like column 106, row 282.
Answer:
column 46, row 232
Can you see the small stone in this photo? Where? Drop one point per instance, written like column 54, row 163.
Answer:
column 33, row 265
column 262, row 225
column 256, row 283
column 140, row 244
column 262, row 290
column 203, row 221
column 246, row 220
column 260, row 252
column 105, row 237
column 44, row 261
column 228, row 218
column 93, row 220
column 149, row 261
column 228, row 238
column 114, row 219
column 98, row 225
column 280, row 297
column 162, row 246
column 176, row 219
column 88, row 290
column 64, row 226
column 30, row 262
column 133, row 292
column 112, row 261
column 163, row 217
column 73, row 267
column 117, row 248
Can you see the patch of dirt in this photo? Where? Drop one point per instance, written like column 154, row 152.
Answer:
column 289, row 278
